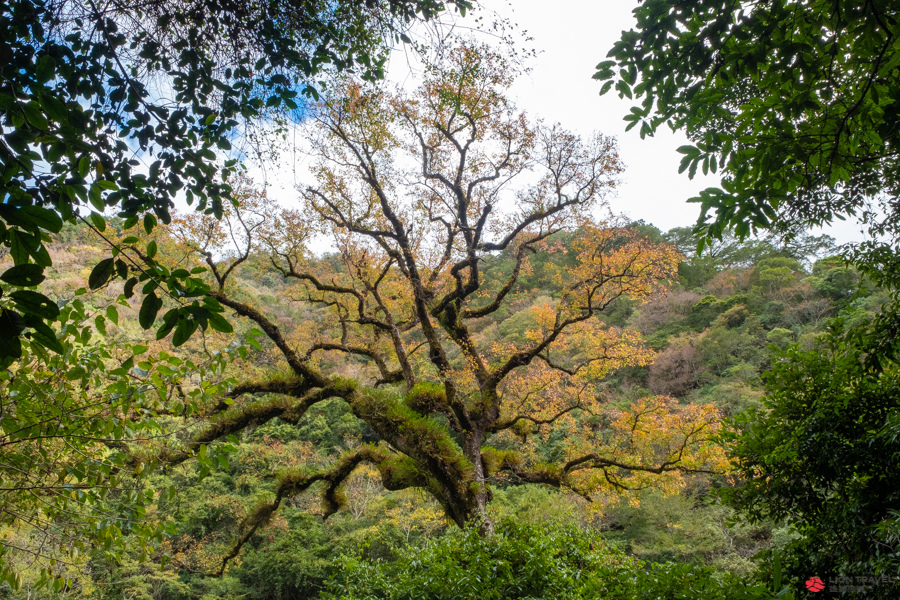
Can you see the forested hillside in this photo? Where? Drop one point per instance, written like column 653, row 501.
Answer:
column 441, row 368
column 708, row 337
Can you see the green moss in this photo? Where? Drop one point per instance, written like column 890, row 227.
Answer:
column 548, row 471
column 426, row 397
column 343, row 385
column 522, row 428
column 399, row 472
column 425, row 439
column 478, row 487
column 495, row 459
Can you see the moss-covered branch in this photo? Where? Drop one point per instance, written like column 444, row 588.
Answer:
column 291, row 483
column 424, row 440
column 239, row 417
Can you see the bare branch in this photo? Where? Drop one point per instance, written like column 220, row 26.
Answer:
column 299, row 366
column 360, row 350
column 475, row 313
column 501, row 425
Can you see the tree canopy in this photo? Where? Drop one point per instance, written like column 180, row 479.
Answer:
column 822, row 454
column 128, row 106
column 414, row 191
column 794, row 103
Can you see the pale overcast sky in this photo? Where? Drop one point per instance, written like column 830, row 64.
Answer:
column 571, row 37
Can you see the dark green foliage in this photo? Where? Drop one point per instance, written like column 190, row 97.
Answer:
column 527, row 562
column 730, row 252
column 703, row 313
column 823, row 454
column 793, row 102
column 82, row 101
column 330, row 425
column 293, row 566
column 835, row 278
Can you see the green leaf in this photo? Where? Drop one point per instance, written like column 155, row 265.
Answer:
column 100, row 324
column 11, row 323
column 106, row 184
column 34, row 114
column 149, row 223
column 128, row 292
column 18, row 247
column 121, row 269
column 184, row 330
column 23, row 275
column 112, row 314
column 44, row 218
column 170, row 319
column 45, row 69
column 46, row 337
column 149, row 307
column 10, row 345
column 217, row 322
column 84, row 165
column 253, row 342
column 151, row 249
column 31, row 217
column 98, row 221
column 36, row 304
column 101, row 273
column 96, row 198
column 56, row 110
column 41, row 256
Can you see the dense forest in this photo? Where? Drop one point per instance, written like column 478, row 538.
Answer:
column 711, row 334
column 441, row 367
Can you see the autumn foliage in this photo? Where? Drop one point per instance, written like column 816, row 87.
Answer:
column 420, row 194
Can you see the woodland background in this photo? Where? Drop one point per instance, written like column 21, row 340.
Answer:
column 713, row 333
column 707, row 415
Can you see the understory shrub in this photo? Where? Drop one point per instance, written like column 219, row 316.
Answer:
column 525, row 562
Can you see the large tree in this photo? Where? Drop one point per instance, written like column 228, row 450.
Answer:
column 414, row 192
column 126, row 106
column 129, row 105
column 794, row 103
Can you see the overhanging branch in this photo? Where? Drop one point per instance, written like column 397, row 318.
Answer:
column 293, row 483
